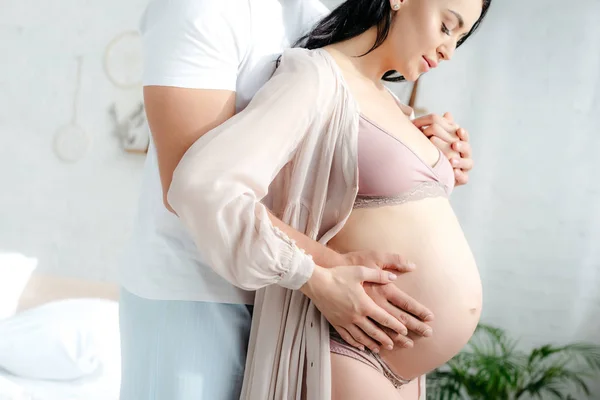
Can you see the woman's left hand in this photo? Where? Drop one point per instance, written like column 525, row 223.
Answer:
column 451, row 139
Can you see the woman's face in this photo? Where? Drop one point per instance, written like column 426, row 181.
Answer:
column 425, row 32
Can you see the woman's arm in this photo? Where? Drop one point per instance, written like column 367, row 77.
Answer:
column 219, row 183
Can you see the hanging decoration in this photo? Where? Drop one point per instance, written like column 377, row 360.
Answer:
column 123, row 67
column 132, row 130
column 71, row 141
column 122, row 61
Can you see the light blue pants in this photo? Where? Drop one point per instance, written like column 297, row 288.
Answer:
column 182, row 350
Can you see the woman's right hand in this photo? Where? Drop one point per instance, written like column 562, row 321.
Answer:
column 339, row 294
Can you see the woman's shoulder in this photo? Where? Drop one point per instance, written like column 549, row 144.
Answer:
column 315, row 75
column 307, row 64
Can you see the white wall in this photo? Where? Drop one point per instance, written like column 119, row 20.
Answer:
column 72, row 217
column 528, row 89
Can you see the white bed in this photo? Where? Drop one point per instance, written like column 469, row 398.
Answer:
column 103, row 384
column 93, row 388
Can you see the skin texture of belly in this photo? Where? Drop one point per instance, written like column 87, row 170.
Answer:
column 446, row 279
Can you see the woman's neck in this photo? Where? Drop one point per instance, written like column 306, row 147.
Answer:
column 371, row 66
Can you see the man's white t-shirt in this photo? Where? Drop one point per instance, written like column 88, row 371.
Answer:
column 202, row 44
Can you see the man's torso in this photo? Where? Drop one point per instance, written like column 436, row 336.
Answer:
column 161, row 260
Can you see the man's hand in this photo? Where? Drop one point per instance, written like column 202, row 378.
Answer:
column 404, row 308
column 376, row 259
column 452, row 140
column 411, row 314
column 339, row 294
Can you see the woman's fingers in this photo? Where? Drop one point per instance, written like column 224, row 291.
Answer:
column 348, row 337
column 361, row 337
column 375, row 275
column 440, row 132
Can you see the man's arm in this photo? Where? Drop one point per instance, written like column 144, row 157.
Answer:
column 178, row 117
column 192, row 50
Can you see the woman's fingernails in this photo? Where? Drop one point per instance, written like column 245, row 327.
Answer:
column 392, row 277
column 454, row 162
column 390, row 347
column 409, row 344
column 428, row 332
column 375, row 350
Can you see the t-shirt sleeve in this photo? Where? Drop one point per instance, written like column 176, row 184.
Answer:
column 196, row 44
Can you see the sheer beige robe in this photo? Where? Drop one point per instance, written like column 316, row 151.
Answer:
column 294, row 149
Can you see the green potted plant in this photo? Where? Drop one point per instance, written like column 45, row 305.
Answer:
column 491, row 367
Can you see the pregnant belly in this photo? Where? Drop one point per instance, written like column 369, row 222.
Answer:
column 446, row 279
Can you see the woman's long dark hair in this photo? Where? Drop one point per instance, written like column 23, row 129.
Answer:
column 354, row 17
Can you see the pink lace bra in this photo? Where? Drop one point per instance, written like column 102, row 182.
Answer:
column 391, row 173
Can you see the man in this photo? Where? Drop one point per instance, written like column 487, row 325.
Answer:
column 184, row 329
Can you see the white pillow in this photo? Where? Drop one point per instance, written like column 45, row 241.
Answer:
column 62, row 340
column 15, row 271
column 11, row 391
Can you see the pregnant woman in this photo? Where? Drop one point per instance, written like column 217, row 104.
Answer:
column 334, row 155
column 402, row 206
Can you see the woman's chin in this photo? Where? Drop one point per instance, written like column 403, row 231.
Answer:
column 412, row 76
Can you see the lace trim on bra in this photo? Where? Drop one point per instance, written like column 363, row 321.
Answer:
column 421, row 191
